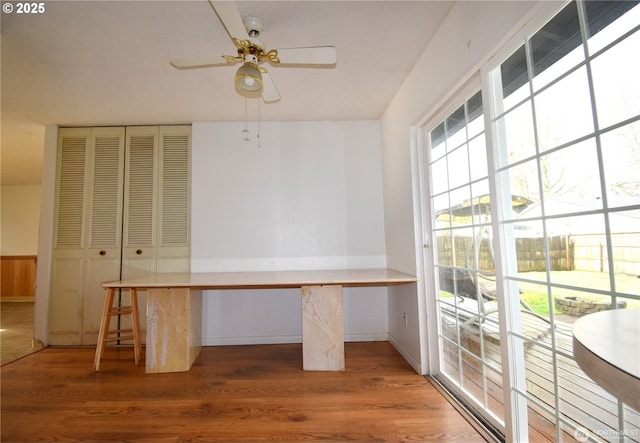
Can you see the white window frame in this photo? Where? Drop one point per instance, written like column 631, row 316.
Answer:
column 426, row 263
column 514, row 381
column 516, row 428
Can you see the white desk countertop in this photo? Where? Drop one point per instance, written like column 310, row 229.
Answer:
column 266, row 279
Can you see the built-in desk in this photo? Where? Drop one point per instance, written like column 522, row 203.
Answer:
column 606, row 346
column 174, row 310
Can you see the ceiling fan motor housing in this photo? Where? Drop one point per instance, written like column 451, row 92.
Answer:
column 254, row 26
column 251, row 46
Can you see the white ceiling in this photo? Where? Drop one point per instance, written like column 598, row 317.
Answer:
column 107, row 63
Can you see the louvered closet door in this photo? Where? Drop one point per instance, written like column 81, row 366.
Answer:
column 67, row 273
column 174, row 242
column 140, row 209
column 122, row 210
column 87, row 223
column 104, row 241
column 157, row 208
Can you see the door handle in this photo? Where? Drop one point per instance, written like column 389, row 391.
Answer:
column 139, row 252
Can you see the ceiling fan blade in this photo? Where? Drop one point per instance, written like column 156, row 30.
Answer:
column 269, row 91
column 318, row 55
column 230, row 17
column 199, row 62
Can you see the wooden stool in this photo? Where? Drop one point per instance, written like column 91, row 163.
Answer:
column 106, row 335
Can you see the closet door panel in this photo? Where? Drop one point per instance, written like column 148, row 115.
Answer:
column 140, row 208
column 66, row 300
column 67, row 270
column 104, row 242
column 98, row 269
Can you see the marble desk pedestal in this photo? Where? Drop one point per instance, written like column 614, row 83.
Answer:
column 174, row 329
column 322, row 328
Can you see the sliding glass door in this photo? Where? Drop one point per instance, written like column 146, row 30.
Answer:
column 533, row 204
column 462, row 244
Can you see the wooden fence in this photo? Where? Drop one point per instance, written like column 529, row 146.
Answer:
column 582, row 252
column 531, row 256
column 530, row 253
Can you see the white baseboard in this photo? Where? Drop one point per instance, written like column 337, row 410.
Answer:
column 257, row 340
column 280, row 339
column 415, row 364
column 366, row 336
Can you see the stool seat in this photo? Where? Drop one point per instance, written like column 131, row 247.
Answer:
column 107, row 335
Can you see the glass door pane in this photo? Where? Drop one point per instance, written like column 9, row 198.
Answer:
column 570, row 150
column 468, row 335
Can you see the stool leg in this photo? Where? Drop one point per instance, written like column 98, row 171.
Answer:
column 104, row 327
column 135, row 320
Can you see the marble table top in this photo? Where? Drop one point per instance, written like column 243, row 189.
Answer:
column 266, row 279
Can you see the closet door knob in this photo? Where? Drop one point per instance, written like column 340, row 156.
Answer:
column 103, row 252
column 139, row 251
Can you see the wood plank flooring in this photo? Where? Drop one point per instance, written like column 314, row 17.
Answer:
column 232, row 393
column 16, row 335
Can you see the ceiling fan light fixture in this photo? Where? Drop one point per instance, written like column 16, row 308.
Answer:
column 248, row 77
column 251, row 79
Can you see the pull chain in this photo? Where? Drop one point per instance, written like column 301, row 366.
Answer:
column 246, row 122
column 258, row 136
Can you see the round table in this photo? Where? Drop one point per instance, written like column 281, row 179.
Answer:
column 606, row 346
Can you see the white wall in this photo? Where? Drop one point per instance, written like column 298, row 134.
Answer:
column 310, row 197
column 20, row 219
column 471, row 33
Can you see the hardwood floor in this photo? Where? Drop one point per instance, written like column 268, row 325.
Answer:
column 232, row 393
column 16, row 335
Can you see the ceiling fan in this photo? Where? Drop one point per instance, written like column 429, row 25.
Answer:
column 251, row 78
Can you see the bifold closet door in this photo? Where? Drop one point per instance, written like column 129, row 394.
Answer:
column 87, row 230
column 157, row 200
column 156, row 203
column 140, row 203
column 122, row 210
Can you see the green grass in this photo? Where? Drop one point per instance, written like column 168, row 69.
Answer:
column 537, row 301
column 535, row 295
